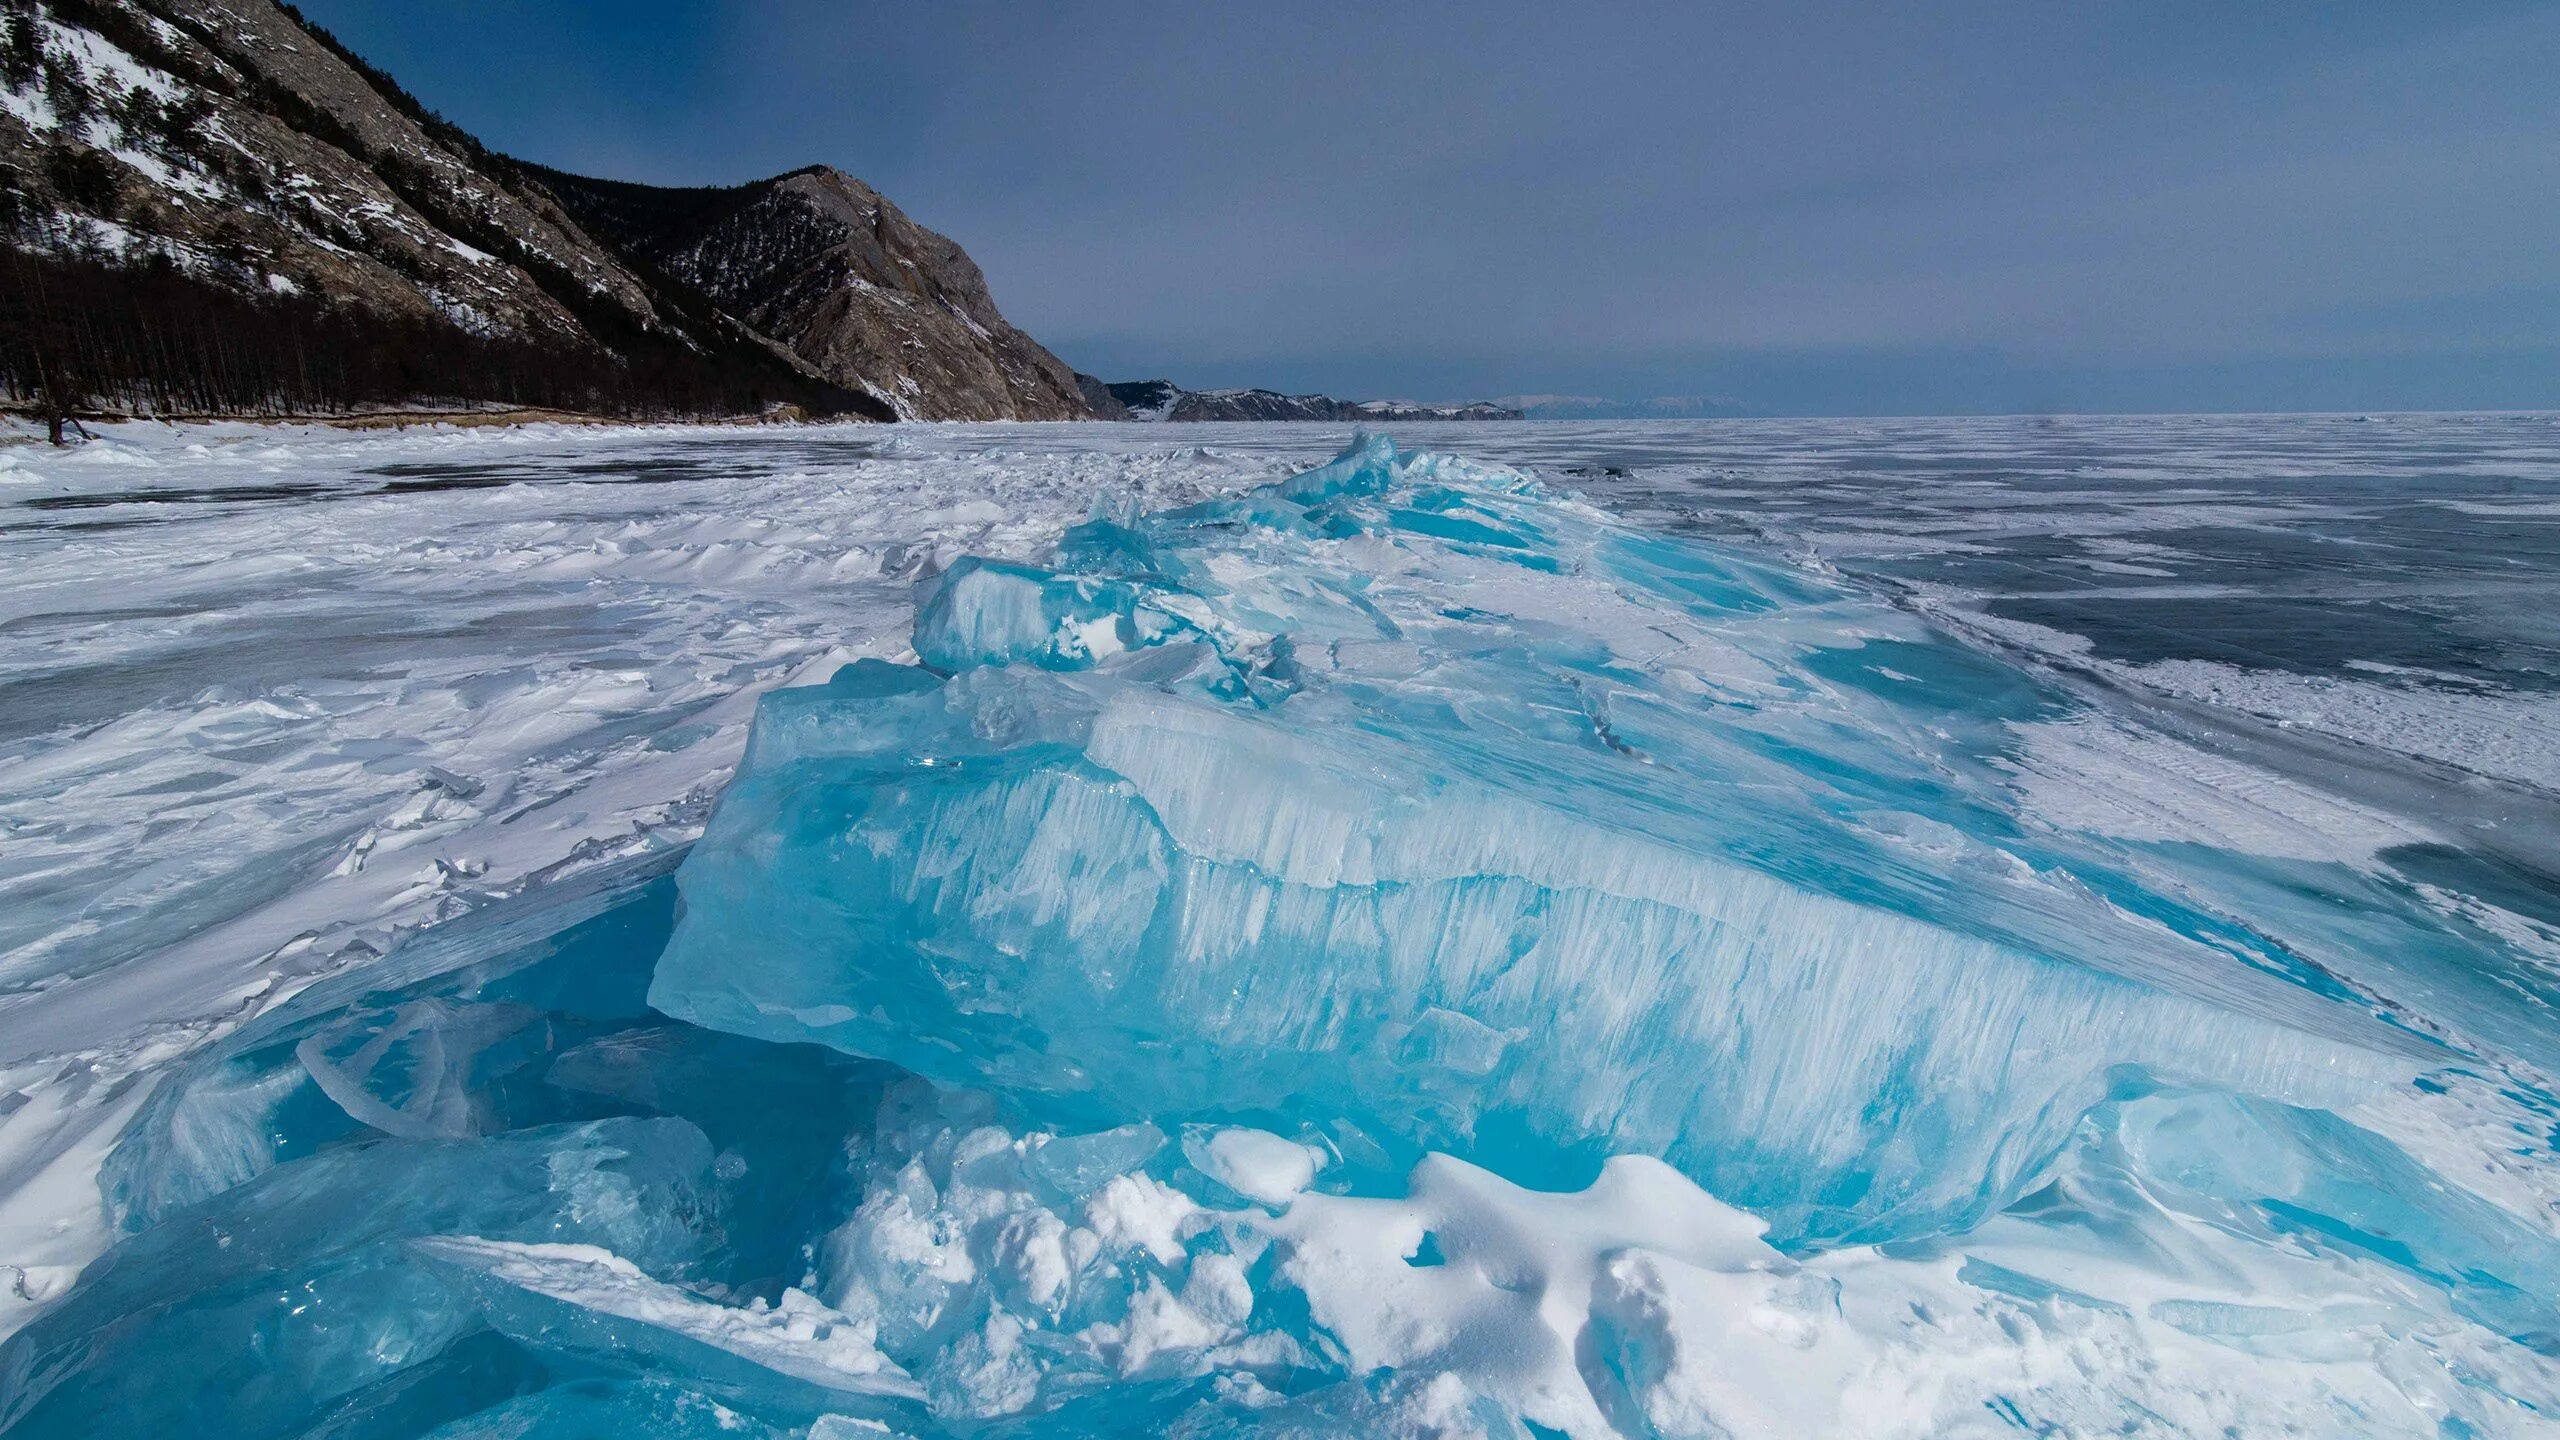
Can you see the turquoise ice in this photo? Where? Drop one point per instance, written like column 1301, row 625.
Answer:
column 1413, row 801
column 1399, row 952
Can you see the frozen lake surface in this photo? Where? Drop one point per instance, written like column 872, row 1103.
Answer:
column 2057, row 920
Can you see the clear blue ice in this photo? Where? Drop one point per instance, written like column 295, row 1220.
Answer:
column 1016, row 1051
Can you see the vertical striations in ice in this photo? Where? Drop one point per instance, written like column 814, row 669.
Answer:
column 1411, row 798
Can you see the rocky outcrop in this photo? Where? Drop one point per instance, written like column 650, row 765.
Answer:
column 1099, row 399
column 827, row 266
column 221, row 136
column 1164, row 400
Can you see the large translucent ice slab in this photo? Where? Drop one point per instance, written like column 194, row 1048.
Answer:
column 478, row 1183
column 626, row 1224
column 291, row 1297
column 1411, row 799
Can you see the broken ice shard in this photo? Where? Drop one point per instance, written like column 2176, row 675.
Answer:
column 1416, row 804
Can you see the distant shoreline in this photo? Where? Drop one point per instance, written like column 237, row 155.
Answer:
column 461, row 418
column 536, row 415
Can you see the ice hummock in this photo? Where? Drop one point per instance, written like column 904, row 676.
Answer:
column 649, row 1228
column 1414, row 801
column 1403, row 727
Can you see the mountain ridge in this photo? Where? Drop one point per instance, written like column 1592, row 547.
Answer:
column 1601, row 407
column 1162, row 400
column 212, row 206
column 836, row 272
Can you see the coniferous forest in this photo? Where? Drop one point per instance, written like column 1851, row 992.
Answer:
column 197, row 219
column 81, row 336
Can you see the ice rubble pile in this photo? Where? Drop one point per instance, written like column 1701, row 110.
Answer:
column 1233, row 952
column 1412, row 800
column 487, row 1191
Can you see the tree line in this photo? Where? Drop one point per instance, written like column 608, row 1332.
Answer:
column 91, row 325
column 82, row 336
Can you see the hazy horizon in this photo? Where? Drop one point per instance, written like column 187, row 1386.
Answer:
column 1990, row 209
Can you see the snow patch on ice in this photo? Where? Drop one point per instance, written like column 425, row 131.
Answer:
column 796, row 1335
column 2514, row 736
column 2107, row 777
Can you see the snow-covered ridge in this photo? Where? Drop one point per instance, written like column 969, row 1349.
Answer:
column 259, row 155
column 1599, row 407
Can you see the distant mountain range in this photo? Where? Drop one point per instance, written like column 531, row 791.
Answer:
column 1164, row 400
column 1595, row 407
column 212, row 207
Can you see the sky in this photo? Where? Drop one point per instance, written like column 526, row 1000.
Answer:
column 1797, row 208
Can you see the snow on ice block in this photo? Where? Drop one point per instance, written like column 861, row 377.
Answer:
column 1418, row 802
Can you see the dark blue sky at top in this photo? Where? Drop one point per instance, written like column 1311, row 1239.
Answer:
column 1875, row 208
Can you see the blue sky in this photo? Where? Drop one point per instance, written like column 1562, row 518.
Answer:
column 1814, row 208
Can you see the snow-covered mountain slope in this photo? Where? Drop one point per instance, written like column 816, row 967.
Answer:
column 828, row 266
column 216, row 208
column 225, row 138
column 1164, row 400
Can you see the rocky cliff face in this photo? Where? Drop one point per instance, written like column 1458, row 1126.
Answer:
column 1098, row 398
column 826, row 265
column 221, row 136
column 216, row 180
column 1164, row 400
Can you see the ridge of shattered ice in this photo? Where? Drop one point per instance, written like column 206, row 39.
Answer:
column 1400, row 951
column 1410, row 795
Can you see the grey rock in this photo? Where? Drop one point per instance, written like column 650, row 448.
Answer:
column 829, row 267
column 1099, row 399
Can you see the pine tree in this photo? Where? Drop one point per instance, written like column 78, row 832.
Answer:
column 21, row 49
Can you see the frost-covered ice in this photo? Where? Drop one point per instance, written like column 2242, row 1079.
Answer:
column 1825, row 933
column 270, row 697
column 1448, row 808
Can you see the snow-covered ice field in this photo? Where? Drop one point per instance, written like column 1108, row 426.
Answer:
column 269, row 695
column 2217, row 758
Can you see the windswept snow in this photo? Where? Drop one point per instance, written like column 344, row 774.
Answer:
column 270, row 697
column 340, row 775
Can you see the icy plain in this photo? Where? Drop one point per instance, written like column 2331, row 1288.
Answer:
column 1741, row 928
